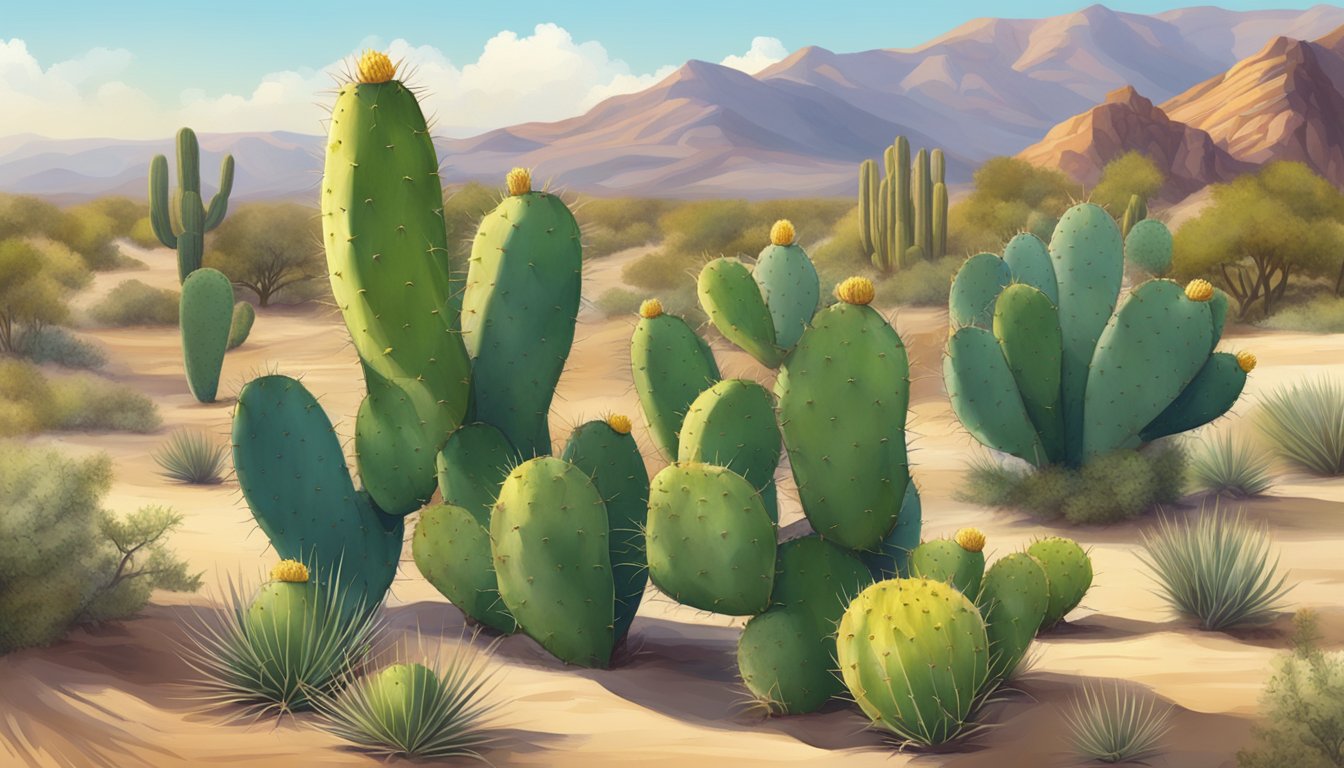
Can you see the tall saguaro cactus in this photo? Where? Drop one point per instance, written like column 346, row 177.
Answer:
column 182, row 221
column 903, row 217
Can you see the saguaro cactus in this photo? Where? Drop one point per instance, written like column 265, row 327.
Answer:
column 182, row 221
column 903, row 217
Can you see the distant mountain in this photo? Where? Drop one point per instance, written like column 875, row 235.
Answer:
column 1126, row 121
column 990, row 87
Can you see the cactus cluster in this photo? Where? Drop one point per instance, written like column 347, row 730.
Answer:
column 903, row 216
column 1045, row 362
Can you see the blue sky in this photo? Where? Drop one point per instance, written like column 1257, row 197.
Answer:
column 167, row 54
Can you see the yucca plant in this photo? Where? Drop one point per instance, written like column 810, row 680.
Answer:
column 1112, row 723
column 436, row 709
column 1228, row 466
column 1306, row 423
column 276, row 649
column 192, row 457
column 1215, row 568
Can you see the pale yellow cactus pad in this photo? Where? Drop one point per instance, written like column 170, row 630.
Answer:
column 290, row 570
column 856, row 290
column 782, row 233
column 970, row 539
column 650, row 308
column 1199, row 290
column 376, row 67
column 619, row 423
column 519, row 181
column 1247, row 361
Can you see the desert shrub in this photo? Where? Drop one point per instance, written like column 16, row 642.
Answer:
column 1215, row 568
column 1318, row 314
column 132, row 302
column 36, row 278
column 1119, row 486
column 614, row 224
column 1010, row 195
column 843, row 249
column 1302, row 707
column 26, row 401
column 1116, row 723
column 1228, row 466
column 615, row 302
column 65, row 559
column 142, row 234
column 53, row 344
column 924, row 284
column 1305, row 422
column 662, row 269
column 192, row 457
column 87, row 403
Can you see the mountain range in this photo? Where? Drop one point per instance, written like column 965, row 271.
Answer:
column 1235, row 89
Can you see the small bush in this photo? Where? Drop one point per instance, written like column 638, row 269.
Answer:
column 1302, row 706
column 1227, row 466
column 663, row 269
column 1119, row 486
column 1115, row 723
column 26, row 403
column 615, row 224
column 1321, row 314
column 1306, row 424
column 53, row 344
column 87, row 403
column 615, row 302
column 133, row 302
column 1215, row 568
column 192, row 457
column 924, row 284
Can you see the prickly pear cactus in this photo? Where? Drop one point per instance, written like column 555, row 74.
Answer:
column 959, row 561
column 732, row 424
column 395, row 453
column 205, row 314
column 241, row 325
column 282, row 617
column 788, row 284
column 732, row 299
column 402, row 703
column 1148, row 246
column 671, row 367
column 1014, row 597
column 1068, row 570
column 891, row 558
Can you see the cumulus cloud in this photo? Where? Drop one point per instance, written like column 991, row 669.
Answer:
column 542, row 76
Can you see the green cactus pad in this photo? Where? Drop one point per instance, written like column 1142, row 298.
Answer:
column 553, row 561
column 786, row 659
column 472, row 465
column 1014, row 597
column 814, row 575
column 518, row 314
column 394, row 450
column 1029, row 260
column 1218, row 308
column 946, row 561
column 710, row 542
column 671, row 366
column 279, row 622
column 974, row 288
column 914, row 654
column 452, row 551
column 843, row 395
column 402, row 701
column 890, row 558
column 1148, row 247
column 205, row 312
column 241, row 324
column 790, row 288
column 1150, row 350
column 732, row 424
column 985, row 397
column 1068, row 570
column 1027, row 328
column 1212, row 393
column 732, row 299
column 613, row 461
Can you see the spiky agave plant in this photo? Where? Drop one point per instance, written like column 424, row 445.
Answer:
column 192, row 457
column 1113, row 723
column 1230, row 466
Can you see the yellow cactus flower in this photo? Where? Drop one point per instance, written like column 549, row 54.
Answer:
column 290, row 570
column 376, row 67
column 856, row 290
column 619, row 423
column 650, row 308
column 970, row 539
column 519, row 181
column 1247, row 361
column 1199, row 290
column 782, row 233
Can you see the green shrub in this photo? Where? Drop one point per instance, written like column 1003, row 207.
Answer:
column 1120, row 486
column 663, row 269
column 142, row 234
column 615, row 224
column 26, row 401
column 64, row 558
column 1115, row 723
column 86, row 403
column 53, row 344
column 1306, row 424
column 1302, row 707
column 925, row 284
column 133, row 302
column 1319, row 314
column 1227, row 466
column 192, row 457
column 1215, row 568
column 615, row 302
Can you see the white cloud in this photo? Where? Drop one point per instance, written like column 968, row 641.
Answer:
column 543, row 76
column 764, row 51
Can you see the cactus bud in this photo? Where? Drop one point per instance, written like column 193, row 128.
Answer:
column 290, row 570
column 519, row 181
column 970, row 539
column 376, row 67
column 855, row 290
column 1199, row 290
column 650, row 308
column 782, row 233
column 619, row 423
column 1247, row 361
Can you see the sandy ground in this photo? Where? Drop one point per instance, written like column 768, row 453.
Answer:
column 118, row 695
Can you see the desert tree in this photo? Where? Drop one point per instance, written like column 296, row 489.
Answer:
column 269, row 248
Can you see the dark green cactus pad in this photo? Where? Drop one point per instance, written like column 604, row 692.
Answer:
column 1150, row 350
column 1212, row 393
column 890, row 558
column 1089, row 266
column 280, row 622
column 1068, row 570
column 732, row 299
column 293, row 475
column 241, row 325
column 914, row 654
column 452, row 551
column 518, row 314
column 946, row 561
column 1148, row 247
column 671, row 367
column 613, row 461
column 472, row 465
column 790, row 288
column 1027, row 328
column 974, row 289
column 815, row 575
column 732, row 424
column 205, row 313
column 786, row 659
column 1029, row 260
column 1014, row 597
column 985, row 397
column 394, row 450
column 843, row 395
column 710, row 542
column 1218, row 307
column 553, row 562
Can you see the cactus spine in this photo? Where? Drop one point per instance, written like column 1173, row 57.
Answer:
column 182, row 221
column 903, row 217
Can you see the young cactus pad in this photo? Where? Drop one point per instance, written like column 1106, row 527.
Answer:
column 959, row 561
column 1014, row 597
column 732, row 299
column 788, row 283
column 671, row 367
column 732, row 424
column 1068, row 570
column 241, row 326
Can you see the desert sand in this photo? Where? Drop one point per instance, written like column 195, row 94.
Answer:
column 119, row 696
